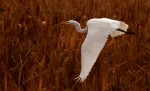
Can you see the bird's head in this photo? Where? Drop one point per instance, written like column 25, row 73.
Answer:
column 72, row 22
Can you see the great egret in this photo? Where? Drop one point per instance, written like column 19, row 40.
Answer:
column 97, row 33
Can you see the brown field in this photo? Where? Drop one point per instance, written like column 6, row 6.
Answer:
column 36, row 54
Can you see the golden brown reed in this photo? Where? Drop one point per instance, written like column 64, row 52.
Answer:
column 36, row 54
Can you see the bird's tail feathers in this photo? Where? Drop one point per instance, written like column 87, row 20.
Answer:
column 123, row 26
column 122, row 29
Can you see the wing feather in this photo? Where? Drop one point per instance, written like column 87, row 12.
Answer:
column 90, row 50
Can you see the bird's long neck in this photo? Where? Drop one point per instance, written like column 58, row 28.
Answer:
column 78, row 28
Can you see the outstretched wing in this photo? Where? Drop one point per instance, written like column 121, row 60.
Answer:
column 92, row 46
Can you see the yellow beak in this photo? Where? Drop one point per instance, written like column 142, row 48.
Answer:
column 63, row 22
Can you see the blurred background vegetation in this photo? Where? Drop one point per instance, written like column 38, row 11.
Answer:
column 36, row 54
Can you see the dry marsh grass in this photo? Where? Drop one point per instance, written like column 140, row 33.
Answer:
column 36, row 54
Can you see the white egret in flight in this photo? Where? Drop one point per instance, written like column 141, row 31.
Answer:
column 97, row 33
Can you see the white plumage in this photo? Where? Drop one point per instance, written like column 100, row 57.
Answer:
column 97, row 33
